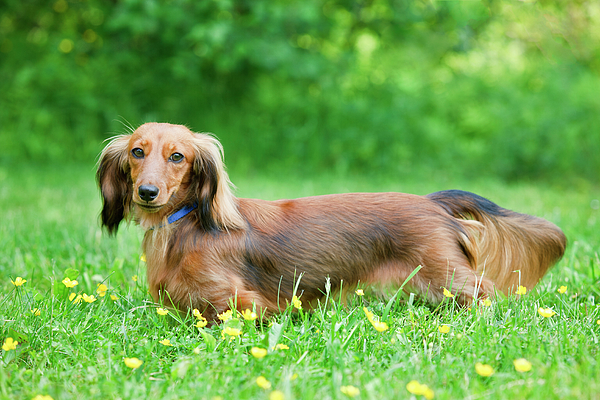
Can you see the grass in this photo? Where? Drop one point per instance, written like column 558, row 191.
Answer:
column 49, row 230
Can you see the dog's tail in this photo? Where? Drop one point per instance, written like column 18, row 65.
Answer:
column 511, row 249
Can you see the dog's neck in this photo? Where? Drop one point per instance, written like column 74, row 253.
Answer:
column 171, row 218
column 182, row 212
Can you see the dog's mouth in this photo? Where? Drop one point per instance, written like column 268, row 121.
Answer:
column 149, row 208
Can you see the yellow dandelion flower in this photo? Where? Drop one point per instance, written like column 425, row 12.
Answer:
column 598, row 322
column 162, row 311
column 444, row 329
column 70, row 283
column 447, row 293
column 415, row 387
column 263, row 383
column 276, row 395
column 134, row 278
column 281, row 346
column 296, row 302
column 42, row 397
column 165, row 342
column 89, row 299
column 114, row 297
column 226, row 316
column 360, row 292
column 294, row 377
column 143, row 257
column 486, row 302
column 36, row 312
column 101, row 290
column 133, row 362
column 562, row 289
column 521, row 290
column 202, row 322
column 258, row 352
column 379, row 326
column 18, row 281
column 9, row 344
column 231, row 332
column 249, row 315
column 546, row 312
column 484, row 369
column 419, row 389
column 522, row 365
column 428, row 392
column 75, row 300
column 369, row 314
column 350, row 391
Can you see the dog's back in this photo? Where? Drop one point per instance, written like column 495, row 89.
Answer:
column 370, row 238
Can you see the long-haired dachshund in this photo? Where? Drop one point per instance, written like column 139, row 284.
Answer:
column 204, row 247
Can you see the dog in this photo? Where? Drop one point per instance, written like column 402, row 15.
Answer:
column 206, row 249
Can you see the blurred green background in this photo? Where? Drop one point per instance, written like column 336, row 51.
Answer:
column 509, row 89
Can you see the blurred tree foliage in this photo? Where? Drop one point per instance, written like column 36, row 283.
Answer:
column 506, row 88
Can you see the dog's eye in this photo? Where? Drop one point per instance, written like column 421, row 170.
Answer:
column 176, row 157
column 137, row 152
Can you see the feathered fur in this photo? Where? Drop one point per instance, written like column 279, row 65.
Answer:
column 255, row 251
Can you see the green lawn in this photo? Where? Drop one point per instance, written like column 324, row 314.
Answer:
column 49, row 230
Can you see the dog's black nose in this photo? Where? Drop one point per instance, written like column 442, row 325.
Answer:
column 148, row 192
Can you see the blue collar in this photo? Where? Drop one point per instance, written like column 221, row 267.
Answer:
column 182, row 212
column 177, row 215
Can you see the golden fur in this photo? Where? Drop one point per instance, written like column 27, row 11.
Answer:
column 255, row 251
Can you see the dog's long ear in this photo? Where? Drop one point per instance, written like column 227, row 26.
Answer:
column 115, row 183
column 217, row 206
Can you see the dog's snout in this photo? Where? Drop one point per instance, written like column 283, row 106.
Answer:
column 148, row 192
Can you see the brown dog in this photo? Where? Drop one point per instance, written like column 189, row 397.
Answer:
column 205, row 247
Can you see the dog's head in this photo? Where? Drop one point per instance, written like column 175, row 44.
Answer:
column 160, row 168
